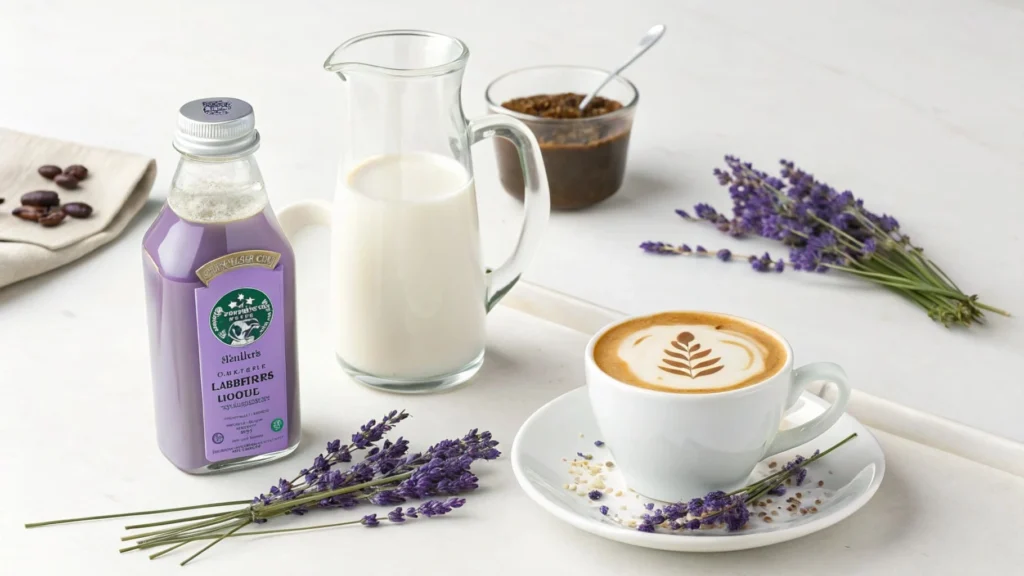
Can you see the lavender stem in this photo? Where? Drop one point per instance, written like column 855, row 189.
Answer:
column 142, row 513
column 156, row 555
column 217, row 520
column 173, row 521
column 215, row 542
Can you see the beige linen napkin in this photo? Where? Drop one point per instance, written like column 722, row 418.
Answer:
column 117, row 187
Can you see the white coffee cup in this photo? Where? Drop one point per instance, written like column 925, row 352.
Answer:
column 675, row 446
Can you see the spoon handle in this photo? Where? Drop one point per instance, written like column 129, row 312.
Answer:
column 636, row 54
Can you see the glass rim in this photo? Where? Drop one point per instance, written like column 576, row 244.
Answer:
column 456, row 63
column 627, row 107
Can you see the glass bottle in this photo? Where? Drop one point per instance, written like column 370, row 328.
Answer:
column 220, row 290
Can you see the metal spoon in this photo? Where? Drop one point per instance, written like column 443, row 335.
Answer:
column 650, row 39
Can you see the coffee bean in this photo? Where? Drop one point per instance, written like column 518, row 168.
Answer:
column 49, row 171
column 77, row 209
column 2, row 200
column 52, row 219
column 30, row 213
column 77, row 171
column 40, row 198
column 66, row 181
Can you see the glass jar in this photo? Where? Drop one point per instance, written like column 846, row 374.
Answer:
column 585, row 158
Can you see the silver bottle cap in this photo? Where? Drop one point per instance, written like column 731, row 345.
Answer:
column 216, row 127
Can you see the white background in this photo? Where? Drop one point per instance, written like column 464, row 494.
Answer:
column 915, row 106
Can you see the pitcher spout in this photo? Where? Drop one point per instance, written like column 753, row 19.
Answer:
column 403, row 53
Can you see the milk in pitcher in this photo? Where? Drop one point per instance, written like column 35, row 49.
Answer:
column 407, row 273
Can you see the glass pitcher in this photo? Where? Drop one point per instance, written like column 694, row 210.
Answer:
column 408, row 287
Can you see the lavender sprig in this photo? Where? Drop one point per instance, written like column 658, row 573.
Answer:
column 728, row 510
column 828, row 230
column 386, row 476
column 319, row 474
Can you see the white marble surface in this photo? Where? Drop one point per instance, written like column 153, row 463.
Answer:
column 914, row 106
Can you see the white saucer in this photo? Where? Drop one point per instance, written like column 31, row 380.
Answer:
column 565, row 426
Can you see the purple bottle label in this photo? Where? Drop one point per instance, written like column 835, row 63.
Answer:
column 242, row 361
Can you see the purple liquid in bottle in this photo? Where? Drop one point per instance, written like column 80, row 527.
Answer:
column 175, row 249
column 220, row 291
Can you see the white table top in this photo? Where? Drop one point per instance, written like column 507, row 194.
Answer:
column 914, row 108
column 908, row 526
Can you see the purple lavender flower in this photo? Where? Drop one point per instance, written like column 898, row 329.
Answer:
column 724, row 255
column 386, row 498
column 433, row 508
column 780, row 265
column 649, row 506
column 372, row 431
column 701, row 250
column 603, row 510
column 675, row 511
column 797, row 461
column 779, row 490
column 799, row 211
column 705, row 212
column 696, row 506
column 693, row 525
column 370, row 520
column 645, row 527
column 887, row 223
column 655, row 519
column 683, row 214
column 396, row 515
column 595, row 495
column 320, row 477
column 442, row 469
column 685, row 249
column 657, row 248
column 598, row 443
column 716, row 500
column 736, row 517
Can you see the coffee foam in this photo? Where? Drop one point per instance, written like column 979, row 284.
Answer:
column 689, row 353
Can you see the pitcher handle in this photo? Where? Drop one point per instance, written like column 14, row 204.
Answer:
column 299, row 215
column 537, row 199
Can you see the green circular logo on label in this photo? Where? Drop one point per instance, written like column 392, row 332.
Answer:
column 277, row 424
column 241, row 317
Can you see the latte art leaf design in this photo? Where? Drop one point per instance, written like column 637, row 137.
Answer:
column 681, row 361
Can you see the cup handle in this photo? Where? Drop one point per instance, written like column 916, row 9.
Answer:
column 537, row 199
column 295, row 217
column 802, row 377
